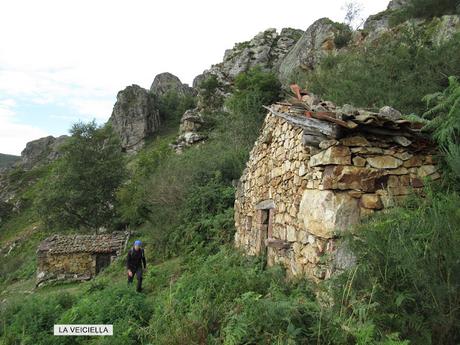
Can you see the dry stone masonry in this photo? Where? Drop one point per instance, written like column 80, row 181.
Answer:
column 77, row 257
column 315, row 171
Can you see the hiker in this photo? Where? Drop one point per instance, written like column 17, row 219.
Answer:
column 134, row 262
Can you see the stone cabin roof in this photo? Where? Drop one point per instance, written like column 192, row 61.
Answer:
column 67, row 244
column 323, row 120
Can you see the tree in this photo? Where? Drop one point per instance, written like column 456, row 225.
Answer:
column 80, row 190
column 353, row 11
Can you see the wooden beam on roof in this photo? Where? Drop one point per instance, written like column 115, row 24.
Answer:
column 329, row 129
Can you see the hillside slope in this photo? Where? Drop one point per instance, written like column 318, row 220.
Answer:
column 179, row 193
column 7, row 160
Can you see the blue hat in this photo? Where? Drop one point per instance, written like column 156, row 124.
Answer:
column 137, row 243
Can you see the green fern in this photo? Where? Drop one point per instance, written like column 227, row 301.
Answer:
column 445, row 113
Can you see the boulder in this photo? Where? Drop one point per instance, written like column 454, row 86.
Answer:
column 390, row 113
column 135, row 117
column 317, row 41
column 325, row 213
column 397, row 4
column 371, row 201
column 191, row 121
column 165, row 82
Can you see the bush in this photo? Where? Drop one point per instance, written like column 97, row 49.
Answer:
column 253, row 89
column 209, row 93
column 31, row 321
column 121, row 306
column 344, row 35
column 407, row 280
column 425, row 9
column 80, row 191
column 396, row 72
column 445, row 125
column 172, row 106
column 210, row 303
column 206, row 216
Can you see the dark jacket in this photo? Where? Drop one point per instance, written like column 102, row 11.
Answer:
column 135, row 259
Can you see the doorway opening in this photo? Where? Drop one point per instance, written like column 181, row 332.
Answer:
column 102, row 261
column 265, row 232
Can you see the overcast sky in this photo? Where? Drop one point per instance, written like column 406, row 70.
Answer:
column 64, row 61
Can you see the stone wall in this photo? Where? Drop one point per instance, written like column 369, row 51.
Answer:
column 68, row 266
column 312, row 194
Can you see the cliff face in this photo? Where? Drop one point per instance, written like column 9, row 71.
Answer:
column 135, row 117
column 41, row 151
column 266, row 50
column 166, row 82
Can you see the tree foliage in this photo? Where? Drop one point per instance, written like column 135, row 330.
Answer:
column 80, row 190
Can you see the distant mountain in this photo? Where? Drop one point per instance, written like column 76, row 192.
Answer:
column 7, row 160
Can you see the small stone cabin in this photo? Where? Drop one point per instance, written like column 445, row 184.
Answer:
column 77, row 257
column 315, row 171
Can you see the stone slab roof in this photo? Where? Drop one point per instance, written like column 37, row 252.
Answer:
column 325, row 120
column 66, row 244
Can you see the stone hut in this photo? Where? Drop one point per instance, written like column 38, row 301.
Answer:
column 77, row 257
column 315, row 171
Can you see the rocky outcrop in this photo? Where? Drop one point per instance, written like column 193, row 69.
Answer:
column 135, row 117
column 266, row 50
column 190, row 124
column 438, row 29
column 166, row 82
column 41, row 151
column 445, row 28
column 318, row 40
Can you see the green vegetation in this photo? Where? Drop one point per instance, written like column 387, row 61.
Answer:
column 80, row 190
column 343, row 36
column 425, row 9
column 172, row 106
column 187, row 199
column 403, row 290
column 394, row 72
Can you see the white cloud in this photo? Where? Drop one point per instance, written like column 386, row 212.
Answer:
column 78, row 54
column 14, row 135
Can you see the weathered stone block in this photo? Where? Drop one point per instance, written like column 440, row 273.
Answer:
column 371, row 201
column 384, row 162
column 333, row 155
column 350, row 177
column 324, row 212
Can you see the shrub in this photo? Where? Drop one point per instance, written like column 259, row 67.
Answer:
column 396, row 72
column 80, row 191
column 424, row 9
column 445, row 124
column 408, row 275
column 121, row 306
column 172, row 106
column 30, row 321
column 253, row 89
column 211, row 97
column 343, row 37
column 211, row 302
